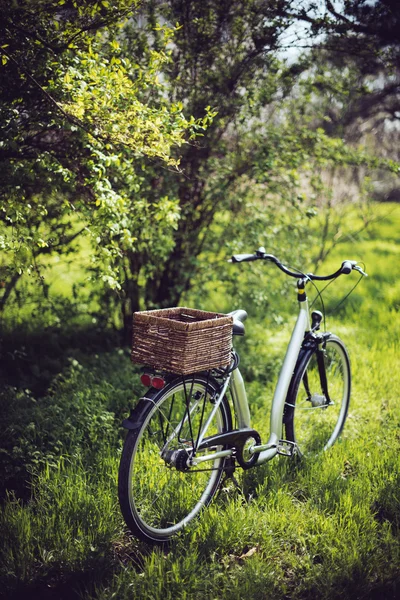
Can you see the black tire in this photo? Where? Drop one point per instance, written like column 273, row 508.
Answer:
column 312, row 421
column 157, row 499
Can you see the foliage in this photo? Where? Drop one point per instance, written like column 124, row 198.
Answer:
column 79, row 415
column 76, row 113
column 356, row 64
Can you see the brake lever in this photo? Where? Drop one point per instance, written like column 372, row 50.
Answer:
column 359, row 269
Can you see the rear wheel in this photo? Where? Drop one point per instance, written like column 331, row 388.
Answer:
column 316, row 410
column 159, row 494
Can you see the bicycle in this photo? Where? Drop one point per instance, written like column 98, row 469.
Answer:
column 181, row 439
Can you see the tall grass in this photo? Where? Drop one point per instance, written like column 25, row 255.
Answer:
column 327, row 527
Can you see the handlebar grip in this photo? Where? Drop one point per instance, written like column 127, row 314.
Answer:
column 244, row 257
column 347, row 266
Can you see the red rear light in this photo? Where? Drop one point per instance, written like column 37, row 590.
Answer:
column 157, row 382
column 146, row 379
column 154, row 381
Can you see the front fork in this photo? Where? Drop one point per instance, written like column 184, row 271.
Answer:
column 320, row 343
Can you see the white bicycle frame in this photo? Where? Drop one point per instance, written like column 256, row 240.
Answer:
column 239, row 396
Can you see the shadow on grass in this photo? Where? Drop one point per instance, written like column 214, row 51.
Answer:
column 354, row 587
column 74, row 586
column 387, row 506
column 96, row 574
column 31, row 359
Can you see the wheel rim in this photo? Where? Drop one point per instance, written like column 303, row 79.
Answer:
column 162, row 498
column 316, row 424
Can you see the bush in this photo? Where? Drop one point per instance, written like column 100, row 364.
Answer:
column 80, row 414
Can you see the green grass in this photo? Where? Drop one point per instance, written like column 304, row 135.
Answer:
column 324, row 528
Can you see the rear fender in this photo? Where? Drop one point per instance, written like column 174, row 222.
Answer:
column 138, row 413
column 134, row 421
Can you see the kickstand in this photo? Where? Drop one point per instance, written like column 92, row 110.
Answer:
column 229, row 474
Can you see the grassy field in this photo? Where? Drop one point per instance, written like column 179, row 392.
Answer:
column 328, row 527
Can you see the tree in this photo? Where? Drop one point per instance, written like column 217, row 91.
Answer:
column 356, row 58
column 225, row 55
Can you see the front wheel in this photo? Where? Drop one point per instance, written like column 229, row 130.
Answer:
column 158, row 492
column 318, row 397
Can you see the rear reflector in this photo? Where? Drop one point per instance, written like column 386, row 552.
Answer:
column 146, row 379
column 154, row 381
column 157, row 382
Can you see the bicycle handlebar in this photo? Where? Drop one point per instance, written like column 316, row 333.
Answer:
column 347, row 266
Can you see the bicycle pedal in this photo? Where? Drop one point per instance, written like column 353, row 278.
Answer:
column 286, row 448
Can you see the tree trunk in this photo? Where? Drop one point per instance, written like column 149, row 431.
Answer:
column 8, row 288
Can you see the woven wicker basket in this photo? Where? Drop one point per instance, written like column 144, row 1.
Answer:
column 182, row 340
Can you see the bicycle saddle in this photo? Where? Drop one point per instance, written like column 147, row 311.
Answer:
column 239, row 316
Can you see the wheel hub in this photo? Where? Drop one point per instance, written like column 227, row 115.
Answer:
column 177, row 458
column 318, row 400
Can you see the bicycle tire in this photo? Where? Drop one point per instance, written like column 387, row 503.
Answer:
column 312, row 421
column 157, row 499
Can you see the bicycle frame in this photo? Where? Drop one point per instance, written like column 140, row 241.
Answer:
column 270, row 449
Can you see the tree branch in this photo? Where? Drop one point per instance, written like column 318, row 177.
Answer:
column 8, row 289
column 68, row 117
